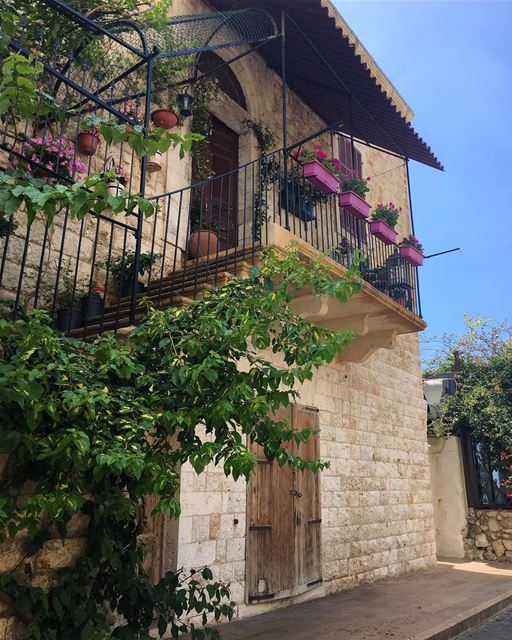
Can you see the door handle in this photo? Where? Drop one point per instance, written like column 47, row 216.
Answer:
column 295, row 493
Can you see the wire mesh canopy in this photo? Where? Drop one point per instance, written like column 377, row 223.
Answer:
column 109, row 58
column 222, row 29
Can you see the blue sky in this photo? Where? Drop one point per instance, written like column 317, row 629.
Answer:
column 452, row 63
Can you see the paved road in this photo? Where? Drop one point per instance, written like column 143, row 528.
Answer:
column 499, row 628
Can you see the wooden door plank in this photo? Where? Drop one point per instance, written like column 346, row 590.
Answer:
column 308, row 519
column 270, row 548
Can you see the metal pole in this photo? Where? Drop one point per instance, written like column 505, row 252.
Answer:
column 409, row 194
column 350, row 124
column 284, row 118
column 142, row 190
column 411, row 216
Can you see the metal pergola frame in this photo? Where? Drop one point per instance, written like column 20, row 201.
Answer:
column 150, row 57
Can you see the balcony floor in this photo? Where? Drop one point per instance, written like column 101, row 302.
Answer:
column 374, row 318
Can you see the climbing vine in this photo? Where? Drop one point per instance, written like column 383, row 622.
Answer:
column 92, row 428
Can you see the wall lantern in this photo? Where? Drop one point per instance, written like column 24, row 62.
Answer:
column 185, row 101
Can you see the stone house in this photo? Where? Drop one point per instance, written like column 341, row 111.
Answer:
column 287, row 537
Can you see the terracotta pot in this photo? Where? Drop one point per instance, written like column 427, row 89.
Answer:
column 87, row 143
column 154, row 162
column 202, row 243
column 164, row 118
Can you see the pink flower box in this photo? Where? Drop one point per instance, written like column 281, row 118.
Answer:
column 411, row 255
column 320, row 177
column 383, row 231
column 353, row 203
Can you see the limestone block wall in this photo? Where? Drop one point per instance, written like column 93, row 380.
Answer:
column 377, row 516
column 488, row 535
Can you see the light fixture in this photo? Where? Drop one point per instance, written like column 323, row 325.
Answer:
column 185, row 101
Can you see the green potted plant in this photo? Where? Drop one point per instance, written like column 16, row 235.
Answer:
column 400, row 292
column 46, row 156
column 123, row 271
column 93, row 303
column 203, row 239
column 323, row 172
column 303, row 196
column 383, row 222
column 353, row 192
column 411, row 250
column 69, row 302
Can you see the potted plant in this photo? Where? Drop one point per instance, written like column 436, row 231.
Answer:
column 123, row 271
column 303, row 197
column 400, row 293
column 203, row 239
column 69, row 303
column 353, row 190
column 46, row 156
column 93, row 303
column 411, row 251
column 383, row 222
column 166, row 117
column 322, row 171
column 154, row 162
column 117, row 179
column 88, row 140
column 131, row 109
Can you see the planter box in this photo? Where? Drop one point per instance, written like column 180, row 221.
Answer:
column 297, row 205
column 353, row 203
column 383, row 231
column 411, row 255
column 320, row 177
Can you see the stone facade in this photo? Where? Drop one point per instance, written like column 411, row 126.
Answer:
column 375, row 497
column 376, row 501
column 488, row 535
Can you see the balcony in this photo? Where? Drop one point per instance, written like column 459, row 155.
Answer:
column 240, row 213
column 266, row 202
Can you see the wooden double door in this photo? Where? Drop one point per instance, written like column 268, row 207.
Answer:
column 284, row 519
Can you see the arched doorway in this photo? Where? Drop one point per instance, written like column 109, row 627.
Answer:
column 223, row 154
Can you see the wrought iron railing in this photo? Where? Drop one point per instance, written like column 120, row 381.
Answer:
column 485, row 486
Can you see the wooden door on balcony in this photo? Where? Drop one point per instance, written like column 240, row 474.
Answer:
column 223, row 194
column 284, row 523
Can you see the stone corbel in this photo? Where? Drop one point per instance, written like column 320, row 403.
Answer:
column 362, row 347
column 311, row 308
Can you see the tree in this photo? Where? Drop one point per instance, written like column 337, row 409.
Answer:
column 482, row 364
column 95, row 427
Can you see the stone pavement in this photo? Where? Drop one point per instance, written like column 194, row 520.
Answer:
column 437, row 604
column 499, row 628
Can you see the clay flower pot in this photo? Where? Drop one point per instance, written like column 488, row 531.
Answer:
column 164, row 118
column 87, row 143
column 154, row 163
column 202, row 243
